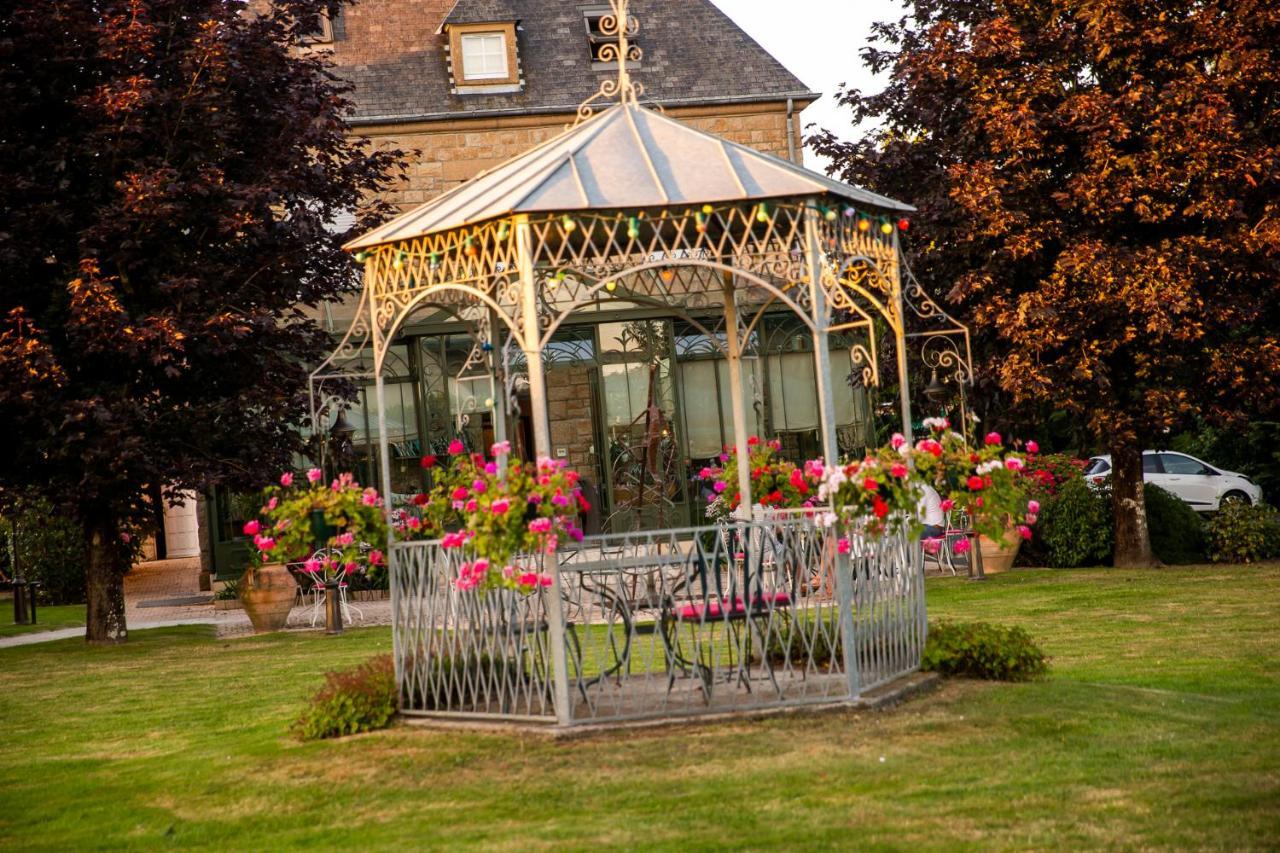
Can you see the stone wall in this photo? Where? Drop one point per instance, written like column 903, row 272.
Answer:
column 569, row 410
column 450, row 152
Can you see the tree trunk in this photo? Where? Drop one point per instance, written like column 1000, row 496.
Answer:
column 104, row 577
column 1129, row 508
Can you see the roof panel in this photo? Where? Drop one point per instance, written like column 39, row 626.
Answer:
column 626, row 157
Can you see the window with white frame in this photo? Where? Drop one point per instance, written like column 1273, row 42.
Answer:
column 484, row 56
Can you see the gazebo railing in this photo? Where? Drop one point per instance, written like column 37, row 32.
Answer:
column 729, row 617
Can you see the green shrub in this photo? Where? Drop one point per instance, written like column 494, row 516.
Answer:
column 1176, row 530
column 50, row 549
column 354, row 700
column 1239, row 533
column 981, row 650
column 1075, row 526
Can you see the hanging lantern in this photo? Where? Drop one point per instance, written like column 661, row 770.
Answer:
column 935, row 390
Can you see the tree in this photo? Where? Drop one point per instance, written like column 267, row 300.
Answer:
column 1099, row 184
column 169, row 170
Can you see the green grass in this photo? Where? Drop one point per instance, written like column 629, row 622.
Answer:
column 49, row 618
column 1158, row 727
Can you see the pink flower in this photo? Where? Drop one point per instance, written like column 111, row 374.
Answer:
column 375, row 557
column 559, row 499
column 719, row 487
column 1013, row 463
column 460, row 493
column 724, row 457
column 455, row 447
column 544, row 580
column 1033, row 506
column 452, row 540
column 470, row 506
column 870, row 484
column 1024, row 531
column 251, row 528
column 705, row 474
column 975, row 483
column 842, row 545
column 1031, row 518
column 478, row 487
column 344, row 539
column 350, row 568
column 897, row 440
column 286, row 479
column 932, row 546
column 266, row 543
column 540, row 525
column 500, row 506
column 992, row 438
column 314, row 475
column 1032, row 447
column 272, row 504
column 948, row 505
column 311, row 566
column 490, row 468
column 535, row 498
column 369, row 497
column 961, row 546
column 898, row 470
column 502, row 447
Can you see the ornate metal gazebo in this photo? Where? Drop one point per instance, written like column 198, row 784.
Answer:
column 629, row 207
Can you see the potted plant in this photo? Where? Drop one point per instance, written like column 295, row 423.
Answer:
column 985, row 482
column 507, row 517
column 775, row 482
column 342, row 519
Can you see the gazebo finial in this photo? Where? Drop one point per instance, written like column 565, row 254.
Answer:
column 624, row 26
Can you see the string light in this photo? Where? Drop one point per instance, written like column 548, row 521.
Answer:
column 633, row 229
column 567, row 223
column 667, row 274
column 502, row 230
column 904, row 224
column 469, row 248
column 828, row 214
column 886, row 228
column 864, row 224
column 398, row 263
column 611, row 286
column 707, row 210
column 361, row 257
column 762, row 212
column 700, row 222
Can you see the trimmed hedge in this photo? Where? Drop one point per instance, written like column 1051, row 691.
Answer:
column 1240, row 533
column 355, row 700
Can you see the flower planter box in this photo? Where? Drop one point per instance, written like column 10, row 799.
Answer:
column 370, row 595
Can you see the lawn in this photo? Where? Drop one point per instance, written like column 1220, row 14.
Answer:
column 48, row 618
column 1159, row 727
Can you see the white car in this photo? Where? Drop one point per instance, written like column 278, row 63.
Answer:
column 1198, row 483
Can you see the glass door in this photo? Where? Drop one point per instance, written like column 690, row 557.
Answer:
column 636, row 404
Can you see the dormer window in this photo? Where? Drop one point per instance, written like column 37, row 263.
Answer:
column 483, row 58
column 602, row 56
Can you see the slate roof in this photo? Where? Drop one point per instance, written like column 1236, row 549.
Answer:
column 482, row 12
column 693, row 54
column 625, row 157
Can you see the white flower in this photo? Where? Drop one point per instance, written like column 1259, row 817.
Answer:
column 827, row 519
column 988, row 467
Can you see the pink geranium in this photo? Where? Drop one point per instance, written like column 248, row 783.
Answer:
column 251, row 528
column 1033, row 506
column 314, row 475
column 286, row 479
column 500, row 506
column 1032, row 447
column 456, row 447
column 992, row 438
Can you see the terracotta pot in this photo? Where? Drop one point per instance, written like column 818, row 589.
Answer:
column 998, row 557
column 267, row 593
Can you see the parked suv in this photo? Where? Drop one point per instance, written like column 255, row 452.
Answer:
column 1198, row 483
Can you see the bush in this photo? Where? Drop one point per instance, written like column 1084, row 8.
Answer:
column 982, row 650
column 50, row 549
column 1046, row 474
column 352, row 701
column 1176, row 530
column 1240, row 533
column 1075, row 527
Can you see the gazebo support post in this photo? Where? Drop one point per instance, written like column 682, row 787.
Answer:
column 384, row 447
column 498, row 385
column 740, row 434
column 530, row 335
column 830, row 449
column 900, row 338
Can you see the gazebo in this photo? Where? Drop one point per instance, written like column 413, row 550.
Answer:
column 629, row 207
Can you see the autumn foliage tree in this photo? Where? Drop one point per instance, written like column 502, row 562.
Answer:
column 169, row 174
column 1099, row 186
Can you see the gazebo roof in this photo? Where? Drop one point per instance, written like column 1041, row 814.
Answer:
column 625, row 157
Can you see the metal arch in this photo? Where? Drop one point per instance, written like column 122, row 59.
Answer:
column 417, row 299
column 594, row 289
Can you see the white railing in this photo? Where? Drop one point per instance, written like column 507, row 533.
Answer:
column 737, row 616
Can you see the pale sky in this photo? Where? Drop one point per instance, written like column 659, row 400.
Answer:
column 818, row 41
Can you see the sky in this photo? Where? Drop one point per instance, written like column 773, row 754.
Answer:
column 818, row 41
